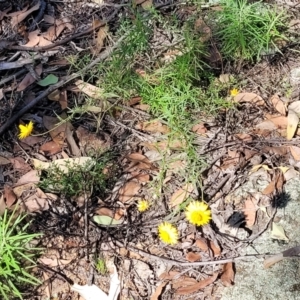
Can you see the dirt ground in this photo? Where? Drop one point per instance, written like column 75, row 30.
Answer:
column 249, row 175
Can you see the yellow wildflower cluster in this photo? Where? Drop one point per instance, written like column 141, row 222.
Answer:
column 197, row 213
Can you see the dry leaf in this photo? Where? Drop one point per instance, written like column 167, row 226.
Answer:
column 30, row 177
column 9, row 195
column 202, row 244
column 147, row 4
column 182, row 194
column 29, row 79
column 101, row 36
column 293, row 121
column 143, row 162
column 196, row 287
column 54, row 31
column 227, row 276
column 192, row 256
column 154, row 126
column 199, row 128
column 279, row 121
column 57, row 132
column 250, row 211
column 215, row 248
column 36, row 202
column 19, row 16
column 51, row 148
column 278, row 104
column 270, row 188
column 249, row 97
column 19, row 164
column 158, row 290
column 278, row 232
column 34, row 38
column 128, row 191
column 295, row 151
column 90, row 90
column 54, row 262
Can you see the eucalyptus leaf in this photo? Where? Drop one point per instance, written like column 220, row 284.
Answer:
column 105, row 220
column 48, row 80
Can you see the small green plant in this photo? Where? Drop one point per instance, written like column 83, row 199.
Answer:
column 16, row 255
column 246, row 30
column 101, row 266
column 78, row 179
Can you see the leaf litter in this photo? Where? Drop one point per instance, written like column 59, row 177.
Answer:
column 258, row 147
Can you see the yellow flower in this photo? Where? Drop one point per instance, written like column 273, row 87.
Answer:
column 143, row 205
column 234, row 92
column 198, row 213
column 25, row 130
column 168, row 233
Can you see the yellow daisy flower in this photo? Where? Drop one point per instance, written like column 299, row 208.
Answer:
column 234, row 92
column 25, row 130
column 168, row 233
column 198, row 213
column 143, row 205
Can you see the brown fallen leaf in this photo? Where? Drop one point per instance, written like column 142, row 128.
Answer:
column 101, row 36
column 91, row 91
column 199, row 128
column 249, row 97
column 36, row 202
column 181, row 195
column 227, row 276
column 279, row 121
column 54, row 262
column 30, row 177
column 295, row 151
column 9, row 196
column 293, row 121
column 158, row 290
column 142, row 161
column 56, row 131
column 270, row 188
column 20, row 165
column 54, row 31
column 196, row 287
column 153, row 126
column 51, row 148
column 215, row 248
column 202, row 244
column 278, row 104
column 192, row 256
column 29, row 79
column 128, row 191
column 19, row 16
column 33, row 38
column 250, row 211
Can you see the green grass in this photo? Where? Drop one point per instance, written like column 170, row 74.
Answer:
column 178, row 92
column 247, row 30
column 16, row 255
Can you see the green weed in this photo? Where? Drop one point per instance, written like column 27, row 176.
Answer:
column 78, row 179
column 16, row 255
column 247, row 30
column 101, row 266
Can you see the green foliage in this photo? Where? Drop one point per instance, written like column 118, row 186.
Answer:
column 101, row 266
column 78, row 179
column 16, row 255
column 246, row 30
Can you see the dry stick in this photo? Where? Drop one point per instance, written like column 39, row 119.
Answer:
column 189, row 264
column 54, row 87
